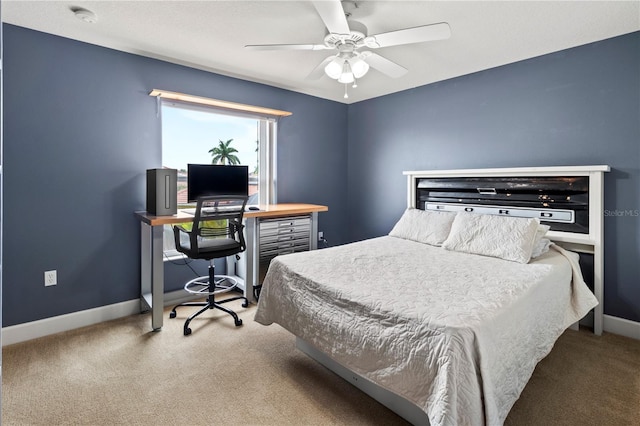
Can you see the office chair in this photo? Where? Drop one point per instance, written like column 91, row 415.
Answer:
column 216, row 232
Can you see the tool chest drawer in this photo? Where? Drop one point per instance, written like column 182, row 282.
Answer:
column 281, row 236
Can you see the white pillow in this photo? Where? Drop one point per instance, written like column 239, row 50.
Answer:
column 541, row 232
column 509, row 238
column 423, row 226
column 541, row 244
column 540, row 248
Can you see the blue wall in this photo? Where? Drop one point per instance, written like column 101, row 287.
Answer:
column 80, row 131
column 576, row 107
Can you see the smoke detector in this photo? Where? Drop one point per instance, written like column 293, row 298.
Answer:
column 84, row 15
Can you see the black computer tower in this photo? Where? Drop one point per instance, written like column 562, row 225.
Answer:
column 162, row 192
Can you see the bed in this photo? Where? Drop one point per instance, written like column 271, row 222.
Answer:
column 439, row 320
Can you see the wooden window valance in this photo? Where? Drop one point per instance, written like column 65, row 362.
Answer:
column 226, row 105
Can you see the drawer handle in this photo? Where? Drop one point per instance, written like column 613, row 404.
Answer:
column 486, row 191
column 285, row 230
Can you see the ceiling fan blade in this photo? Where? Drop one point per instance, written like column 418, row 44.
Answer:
column 384, row 65
column 332, row 15
column 319, row 70
column 286, row 47
column 431, row 32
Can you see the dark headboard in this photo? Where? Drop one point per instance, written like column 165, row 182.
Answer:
column 561, row 202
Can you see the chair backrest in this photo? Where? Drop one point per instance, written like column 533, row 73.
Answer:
column 218, row 216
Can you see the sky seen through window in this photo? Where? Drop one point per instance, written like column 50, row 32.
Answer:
column 188, row 136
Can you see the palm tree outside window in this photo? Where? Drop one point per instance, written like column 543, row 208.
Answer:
column 224, row 153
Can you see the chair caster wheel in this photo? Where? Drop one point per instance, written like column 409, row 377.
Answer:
column 238, row 323
column 187, row 331
column 245, row 304
column 172, row 314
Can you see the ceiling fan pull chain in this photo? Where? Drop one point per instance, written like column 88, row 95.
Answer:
column 346, row 95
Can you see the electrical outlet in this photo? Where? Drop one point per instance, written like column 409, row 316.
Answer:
column 320, row 236
column 50, row 278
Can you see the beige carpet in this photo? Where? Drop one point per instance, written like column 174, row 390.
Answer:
column 120, row 372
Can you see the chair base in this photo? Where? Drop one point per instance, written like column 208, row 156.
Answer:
column 200, row 285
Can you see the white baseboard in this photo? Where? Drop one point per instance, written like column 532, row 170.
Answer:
column 622, row 326
column 32, row 330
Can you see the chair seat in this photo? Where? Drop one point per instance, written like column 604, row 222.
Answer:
column 211, row 245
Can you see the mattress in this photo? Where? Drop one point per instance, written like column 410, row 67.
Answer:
column 457, row 334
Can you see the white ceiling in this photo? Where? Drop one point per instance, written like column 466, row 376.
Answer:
column 211, row 35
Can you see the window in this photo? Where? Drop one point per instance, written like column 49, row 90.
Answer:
column 207, row 135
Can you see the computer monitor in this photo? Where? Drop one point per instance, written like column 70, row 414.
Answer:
column 216, row 179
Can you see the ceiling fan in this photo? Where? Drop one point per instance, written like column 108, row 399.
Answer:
column 350, row 38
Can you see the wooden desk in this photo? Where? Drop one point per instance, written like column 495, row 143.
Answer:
column 151, row 251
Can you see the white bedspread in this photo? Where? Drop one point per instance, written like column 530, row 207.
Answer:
column 457, row 334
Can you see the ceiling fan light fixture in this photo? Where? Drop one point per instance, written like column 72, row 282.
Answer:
column 346, row 78
column 358, row 67
column 347, row 75
column 334, row 68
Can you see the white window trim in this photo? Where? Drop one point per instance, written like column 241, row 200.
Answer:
column 267, row 129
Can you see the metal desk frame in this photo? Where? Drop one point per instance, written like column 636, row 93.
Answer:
column 151, row 251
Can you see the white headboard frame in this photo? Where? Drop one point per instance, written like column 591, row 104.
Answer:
column 591, row 242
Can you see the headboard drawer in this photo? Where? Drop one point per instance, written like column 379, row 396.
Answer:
column 561, row 202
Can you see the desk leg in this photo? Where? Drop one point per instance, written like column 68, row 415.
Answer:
column 250, row 258
column 245, row 268
column 152, row 273
column 314, row 231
